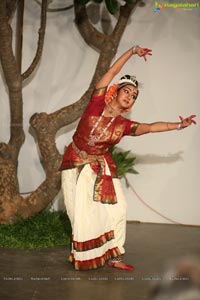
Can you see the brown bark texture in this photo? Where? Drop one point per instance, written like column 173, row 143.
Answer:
column 45, row 126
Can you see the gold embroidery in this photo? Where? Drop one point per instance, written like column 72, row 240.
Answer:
column 99, row 194
column 93, row 243
column 95, row 262
column 118, row 133
column 99, row 92
column 83, row 154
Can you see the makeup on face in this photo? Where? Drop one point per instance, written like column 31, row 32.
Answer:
column 127, row 95
column 130, row 92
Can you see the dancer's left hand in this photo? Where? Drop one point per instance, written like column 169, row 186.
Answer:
column 143, row 52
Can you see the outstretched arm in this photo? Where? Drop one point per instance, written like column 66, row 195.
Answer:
column 164, row 126
column 119, row 63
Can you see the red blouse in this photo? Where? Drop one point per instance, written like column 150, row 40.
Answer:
column 80, row 153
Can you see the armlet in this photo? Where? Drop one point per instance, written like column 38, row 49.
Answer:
column 134, row 128
column 99, row 92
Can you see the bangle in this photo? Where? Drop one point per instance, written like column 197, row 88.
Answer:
column 179, row 126
column 134, row 49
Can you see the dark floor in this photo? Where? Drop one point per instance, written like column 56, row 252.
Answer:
column 46, row 274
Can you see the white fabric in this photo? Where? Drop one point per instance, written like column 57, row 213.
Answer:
column 91, row 219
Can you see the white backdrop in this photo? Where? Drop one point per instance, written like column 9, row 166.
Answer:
column 168, row 164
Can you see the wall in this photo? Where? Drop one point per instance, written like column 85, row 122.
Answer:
column 167, row 162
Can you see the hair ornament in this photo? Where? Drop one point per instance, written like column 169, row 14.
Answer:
column 110, row 93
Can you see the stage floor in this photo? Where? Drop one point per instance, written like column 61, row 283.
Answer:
column 46, row 274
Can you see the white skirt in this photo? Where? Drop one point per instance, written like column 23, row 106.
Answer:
column 98, row 229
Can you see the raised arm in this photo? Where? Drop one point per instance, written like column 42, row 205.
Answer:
column 119, row 63
column 164, row 126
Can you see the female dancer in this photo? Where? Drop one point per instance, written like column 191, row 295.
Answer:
column 92, row 193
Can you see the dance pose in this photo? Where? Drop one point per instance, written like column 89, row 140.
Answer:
column 92, row 192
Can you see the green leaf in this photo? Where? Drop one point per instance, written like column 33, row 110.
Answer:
column 130, row 160
column 124, row 163
column 112, row 6
column 125, row 154
column 97, row 1
column 132, row 171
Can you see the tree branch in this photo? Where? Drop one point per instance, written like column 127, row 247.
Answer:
column 56, row 9
column 13, row 81
column 41, row 32
column 13, row 205
column 88, row 32
column 10, row 7
column 45, row 126
column 125, row 12
column 42, row 122
column 19, row 34
column 6, row 54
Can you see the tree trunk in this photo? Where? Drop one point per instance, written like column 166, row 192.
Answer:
column 45, row 126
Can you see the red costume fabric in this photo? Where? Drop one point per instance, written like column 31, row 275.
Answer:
column 79, row 153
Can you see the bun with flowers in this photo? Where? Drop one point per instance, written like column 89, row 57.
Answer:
column 111, row 92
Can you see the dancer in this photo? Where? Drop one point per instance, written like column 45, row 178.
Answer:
column 92, row 192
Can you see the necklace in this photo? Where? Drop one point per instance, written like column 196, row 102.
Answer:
column 95, row 138
column 112, row 110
